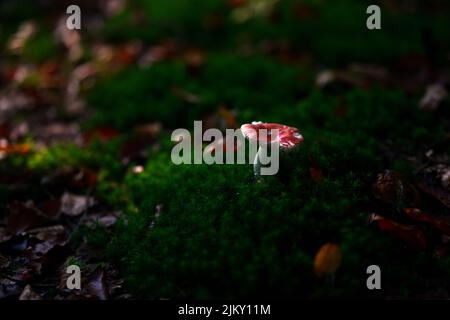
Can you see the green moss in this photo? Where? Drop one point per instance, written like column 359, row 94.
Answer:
column 40, row 47
column 96, row 155
column 222, row 234
column 139, row 95
column 159, row 20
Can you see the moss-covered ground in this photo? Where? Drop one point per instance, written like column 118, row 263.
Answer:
column 214, row 231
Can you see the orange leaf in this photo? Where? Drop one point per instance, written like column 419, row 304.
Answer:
column 436, row 222
column 411, row 235
column 328, row 259
column 22, row 149
column 228, row 116
column 103, row 134
column 314, row 171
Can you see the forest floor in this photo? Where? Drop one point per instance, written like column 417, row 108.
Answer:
column 86, row 177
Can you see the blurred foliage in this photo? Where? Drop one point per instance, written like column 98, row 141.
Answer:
column 333, row 31
column 140, row 95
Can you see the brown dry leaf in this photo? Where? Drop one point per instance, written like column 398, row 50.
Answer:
column 303, row 11
column 151, row 130
column 194, row 58
column 49, row 238
column 47, row 233
column 21, row 149
column 84, row 178
column 411, row 235
column 315, row 173
column 327, row 260
column 440, row 174
column 9, row 288
column 434, row 96
column 51, row 209
column 157, row 53
column 328, row 77
column 4, row 235
column 186, row 96
column 136, row 146
column 71, row 39
column 13, row 102
column 97, row 285
column 103, row 134
column 29, row 294
column 4, row 262
column 128, row 53
column 57, row 132
column 73, row 205
column 106, row 220
column 229, row 117
column 390, row 188
column 237, row 3
column 5, row 130
column 22, row 217
column 439, row 223
column 50, row 75
column 17, row 42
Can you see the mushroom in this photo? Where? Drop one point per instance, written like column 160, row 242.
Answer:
column 287, row 137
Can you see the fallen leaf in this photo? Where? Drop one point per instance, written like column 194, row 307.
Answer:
column 440, row 174
column 315, row 173
column 106, row 220
column 158, row 53
column 103, row 134
column 229, row 117
column 151, row 130
column 84, row 178
column 21, row 149
column 71, row 39
column 22, row 217
column 304, row 11
column 346, row 78
column 128, row 53
column 411, row 235
column 438, row 223
column 194, row 58
column 390, row 188
column 237, row 3
column 29, row 294
column 74, row 205
column 50, row 209
column 97, row 285
column 328, row 259
column 186, row 96
column 135, row 148
column 57, row 133
column 9, row 288
column 47, row 233
column 434, row 96
column 4, row 235
column 4, row 262
column 17, row 42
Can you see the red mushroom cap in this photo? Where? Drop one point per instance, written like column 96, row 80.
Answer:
column 288, row 137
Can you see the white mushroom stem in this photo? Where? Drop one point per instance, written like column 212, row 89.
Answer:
column 257, row 163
